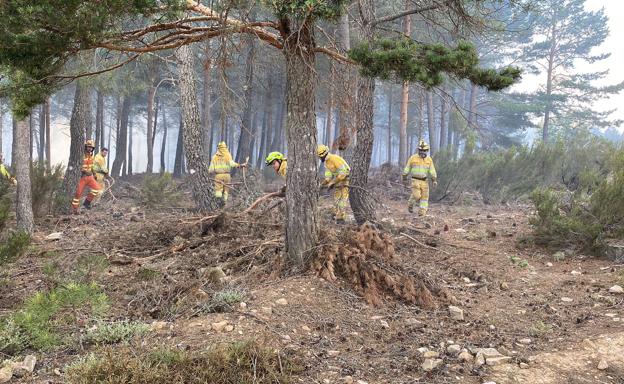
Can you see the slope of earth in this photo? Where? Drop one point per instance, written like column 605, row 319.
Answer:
column 549, row 319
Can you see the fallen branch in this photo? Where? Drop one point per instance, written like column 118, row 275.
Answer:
column 261, row 199
column 423, row 244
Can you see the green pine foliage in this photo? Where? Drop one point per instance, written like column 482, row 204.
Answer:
column 159, row 190
column 302, row 9
column 14, row 245
column 407, row 60
column 37, row 324
column 43, row 185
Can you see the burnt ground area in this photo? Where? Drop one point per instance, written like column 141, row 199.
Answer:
column 553, row 317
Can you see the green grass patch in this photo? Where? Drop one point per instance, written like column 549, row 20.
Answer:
column 37, row 325
column 241, row 363
column 147, row 274
column 520, row 262
column 224, row 301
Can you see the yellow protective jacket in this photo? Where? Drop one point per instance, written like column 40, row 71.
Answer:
column 419, row 168
column 4, row 172
column 336, row 168
column 282, row 169
column 99, row 167
column 222, row 162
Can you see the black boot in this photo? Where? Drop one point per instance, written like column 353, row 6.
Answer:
column 87, row 204
column 410, row 209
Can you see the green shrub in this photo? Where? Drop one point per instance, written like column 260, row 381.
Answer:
column 36, row 325
column 112, row 333
column 147, row 274
column 223, row 301
column 14, row 246
column 43, row 185
column 88, row 267
column 241, row 363
column 159, row 190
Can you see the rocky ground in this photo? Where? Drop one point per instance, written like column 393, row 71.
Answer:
column 498, row 312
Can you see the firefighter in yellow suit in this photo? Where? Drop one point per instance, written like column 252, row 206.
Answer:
column 221, row 165
column 99, row 167
column 4, row 173
column 420, row 168
column 337, row 177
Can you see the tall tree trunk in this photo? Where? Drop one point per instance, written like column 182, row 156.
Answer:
column 163, row 145
column 122, row 137
column 130, row 137
column 31, row 125
column 345, row 126
column 302, row 177
column 207, row 98
column 14, row 142
column 330, row 106
column 268, row 121
column 156, row 108
column 89, row 116
column 472, row 117
column 200, row 179
column 1, row 127
column 77, row 128
column 431, row 123
column 48, row 134
column 359, row 197
column 99, row 120
column 403, row 151
column 389, row 144
column 443, row 121
column 42, row 130
column 179, row 157
column 151, row 94
column 549, row 80
column 277, row 142
column 244, row 141
column 24, row 211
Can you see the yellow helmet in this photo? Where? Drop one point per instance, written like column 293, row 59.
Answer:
column 222, row 145
column 322, row 150
column 422, row 146
column 90, row 144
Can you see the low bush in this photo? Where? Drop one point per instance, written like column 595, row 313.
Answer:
column 15, row 244
column 36, row 325
column 43, row 186
column 223, row 301
column 241, row 363
column 158, row 190
column 112, row 333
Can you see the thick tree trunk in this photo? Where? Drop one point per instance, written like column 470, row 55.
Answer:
column 14, row 136
column 443, row 121
column 24, row 212
column 89, row 116
column 163, row 145
column 403, row 151
column 433, row 139
column 99, row 120
column 31, row 125
column 48, row 134
column 207, row 99
column 77, row 128
column 130, row 161
column 122, row 137
column 389, row 144
column 244, row 141
column 200, row 179
column 151, row 94
column 345, row 126
column 42, row 135
column 302, row 177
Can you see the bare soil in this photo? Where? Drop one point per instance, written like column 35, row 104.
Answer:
column 158, row 271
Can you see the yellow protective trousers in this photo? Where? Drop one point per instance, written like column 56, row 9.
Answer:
column 420, row 196
column 341, row 197
column 222, row 188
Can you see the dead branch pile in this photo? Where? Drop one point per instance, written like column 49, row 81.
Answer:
column 364, row 258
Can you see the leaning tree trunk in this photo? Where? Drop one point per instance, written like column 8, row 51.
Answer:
column 77, row 128
column 359, row 196
column 122, row 137
column 24, row 212
column 201, row 184
column 302, row 177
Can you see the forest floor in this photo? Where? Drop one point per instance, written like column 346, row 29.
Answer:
column 552, row 316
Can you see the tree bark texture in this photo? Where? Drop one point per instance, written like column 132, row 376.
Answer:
column 99, row 120
column 24, row 212
column 201, row 184
column 48, row 134
column 130, row 161
column 178, row 163
column 163, row 145
column 433, row 139
column 302, row 177
column 77, row 129
column 122, row 137
column 244, row 142
column 151, row 94
column 13, row 142
column 42, row 135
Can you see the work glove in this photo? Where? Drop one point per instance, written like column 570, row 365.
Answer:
column 330, row 185
column 435, row 183
column 13, row 181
